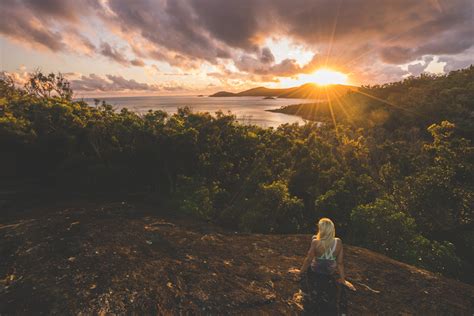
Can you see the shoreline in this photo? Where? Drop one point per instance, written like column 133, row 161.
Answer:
column 304, row 111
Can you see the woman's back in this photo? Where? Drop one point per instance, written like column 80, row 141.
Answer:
column 324, row 261
column 325, row 257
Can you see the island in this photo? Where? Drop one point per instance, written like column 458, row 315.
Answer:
column 305, row 91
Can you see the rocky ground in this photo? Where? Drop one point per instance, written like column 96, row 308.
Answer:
column 115, row 258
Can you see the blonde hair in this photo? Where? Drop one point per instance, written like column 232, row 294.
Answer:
column 326, row 233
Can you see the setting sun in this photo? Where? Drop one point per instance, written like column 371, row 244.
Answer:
column 325, row 77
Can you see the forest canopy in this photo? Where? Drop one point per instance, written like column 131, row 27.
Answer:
column 395, row 172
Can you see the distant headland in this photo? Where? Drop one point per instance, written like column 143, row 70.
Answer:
column 305, row 91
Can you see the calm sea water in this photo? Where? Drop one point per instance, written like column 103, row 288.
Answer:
column 248, row 110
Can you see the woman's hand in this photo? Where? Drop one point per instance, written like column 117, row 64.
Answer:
column 296, row 272
column 347, row 284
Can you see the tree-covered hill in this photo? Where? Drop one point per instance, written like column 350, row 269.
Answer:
column 396, row 174
column 415, row 102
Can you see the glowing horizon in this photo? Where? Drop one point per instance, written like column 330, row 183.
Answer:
column 324, row 77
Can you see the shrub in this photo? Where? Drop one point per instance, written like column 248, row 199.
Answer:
column 273, row 210
column 383, row 227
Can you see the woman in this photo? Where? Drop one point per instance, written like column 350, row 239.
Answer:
column 326, row 275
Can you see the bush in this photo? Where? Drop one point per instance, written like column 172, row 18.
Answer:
column 197, row 199
column 383, row 227
column 273, row 210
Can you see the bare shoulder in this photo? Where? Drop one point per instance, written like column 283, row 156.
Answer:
column 339, row 247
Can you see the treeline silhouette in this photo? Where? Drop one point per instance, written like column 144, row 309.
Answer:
column 395, row 175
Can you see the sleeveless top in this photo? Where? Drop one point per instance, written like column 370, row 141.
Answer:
column 326, row 263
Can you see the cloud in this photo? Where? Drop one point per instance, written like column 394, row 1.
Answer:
column 114, row 54
column 117, row 56
column 49, row 24
column 114, row 83
column 66, row 10
column 111, row 83
column 137, row 62
column 354, row 36
column 166, row 26
column 381, row 73
column 236, row 23
column 419, row 67
column 266, row 56
column 19, row 77
column 54, row 25
column 97, row 84
column 14, row 25
column 455, row 63
column 340, row 32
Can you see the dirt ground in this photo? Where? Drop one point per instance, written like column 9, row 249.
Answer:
column 116, row 258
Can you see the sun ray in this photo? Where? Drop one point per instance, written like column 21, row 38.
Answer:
column 333, row 32
column 332, row 115
column 389, row 103
column 343, row 108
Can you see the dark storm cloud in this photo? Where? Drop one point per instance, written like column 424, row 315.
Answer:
column 234, row 22
column 168, row 25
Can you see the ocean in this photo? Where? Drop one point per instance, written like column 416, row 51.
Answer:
column 248, row 110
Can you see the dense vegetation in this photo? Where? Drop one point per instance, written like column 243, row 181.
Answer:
column 396, row 174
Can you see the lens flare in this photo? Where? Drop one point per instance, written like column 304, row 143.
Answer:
column 324, row 77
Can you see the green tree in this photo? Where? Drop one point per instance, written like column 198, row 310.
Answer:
column 273, row 210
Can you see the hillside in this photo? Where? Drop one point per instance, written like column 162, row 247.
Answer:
column 306, row 91
column 414, row 101
column 308, row 111
column 118, row 258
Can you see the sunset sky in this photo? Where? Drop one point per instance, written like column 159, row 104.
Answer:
column 154, row 47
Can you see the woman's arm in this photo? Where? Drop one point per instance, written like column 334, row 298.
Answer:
column 309, row 257
column 340, row 263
